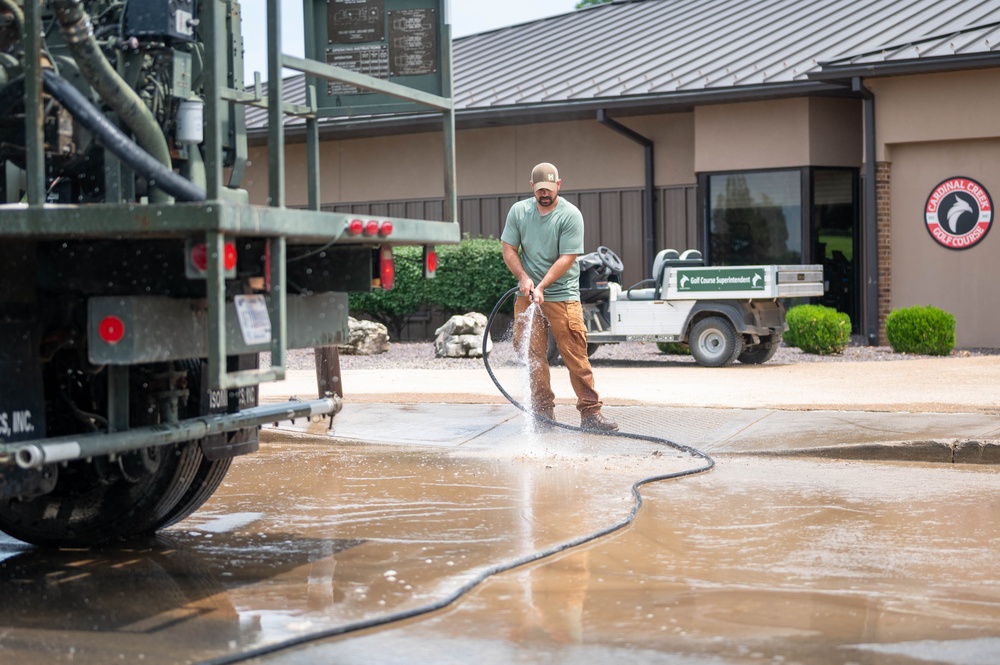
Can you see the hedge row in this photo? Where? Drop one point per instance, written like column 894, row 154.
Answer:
column 471, row 277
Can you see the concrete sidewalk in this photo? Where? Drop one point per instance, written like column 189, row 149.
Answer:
column 940, row 410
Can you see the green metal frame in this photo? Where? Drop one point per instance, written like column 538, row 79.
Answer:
column 220, row 218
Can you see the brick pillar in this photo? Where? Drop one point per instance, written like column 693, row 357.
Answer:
column 883, row 224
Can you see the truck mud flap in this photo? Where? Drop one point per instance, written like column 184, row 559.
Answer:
column 22, row 398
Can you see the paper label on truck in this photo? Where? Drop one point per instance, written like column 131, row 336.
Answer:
column 721, row 279
column 255, row 322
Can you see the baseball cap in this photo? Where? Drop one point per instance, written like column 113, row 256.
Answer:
column 544, row 175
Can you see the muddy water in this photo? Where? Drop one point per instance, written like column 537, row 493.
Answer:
column 782, row 562
column 758, row 561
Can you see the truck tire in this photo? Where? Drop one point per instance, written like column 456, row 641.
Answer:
column 714, row 342
column 207, row 479
column 210, row 473
column 758, row 354
column 132, row 496
column 101, row 501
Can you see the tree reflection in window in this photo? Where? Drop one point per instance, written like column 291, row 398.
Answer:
column 755, row 218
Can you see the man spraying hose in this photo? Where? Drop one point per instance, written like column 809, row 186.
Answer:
column 542, row 237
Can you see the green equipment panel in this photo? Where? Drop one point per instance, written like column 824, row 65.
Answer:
column 401, row 41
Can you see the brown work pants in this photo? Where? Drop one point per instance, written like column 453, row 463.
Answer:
column 565, row 320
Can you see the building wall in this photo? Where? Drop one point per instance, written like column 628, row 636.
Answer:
column 490, row 162
column 935, row 107
column 778, row 134
column 925, row 141
column 603, row 173
column 926, row 273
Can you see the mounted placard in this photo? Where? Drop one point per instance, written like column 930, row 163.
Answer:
column 400, row 41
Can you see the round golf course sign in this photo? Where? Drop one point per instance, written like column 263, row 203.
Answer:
column 959, row 213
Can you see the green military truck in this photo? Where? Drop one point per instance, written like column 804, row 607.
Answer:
column 138, row 285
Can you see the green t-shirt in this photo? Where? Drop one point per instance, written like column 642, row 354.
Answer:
column 544, row 238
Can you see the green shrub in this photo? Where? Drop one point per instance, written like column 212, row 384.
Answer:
column 924, row 330
column 673, row 348
column 394, row 307
column 818, row 329
column 471, row 277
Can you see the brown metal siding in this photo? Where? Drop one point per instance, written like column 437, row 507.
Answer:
column 612, row 218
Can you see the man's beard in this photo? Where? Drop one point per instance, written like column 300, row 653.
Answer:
column 545, row 200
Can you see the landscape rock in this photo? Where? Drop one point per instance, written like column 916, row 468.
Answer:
column 365, row 338
column 462, row 337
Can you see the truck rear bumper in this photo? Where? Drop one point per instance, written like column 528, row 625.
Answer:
column 36, row 453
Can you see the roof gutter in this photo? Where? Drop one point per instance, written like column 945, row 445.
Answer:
column 829, row 72
column 870, row 220
column 649, row 199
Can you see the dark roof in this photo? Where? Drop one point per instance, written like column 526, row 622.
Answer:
column 647, row 55
column 966, row 48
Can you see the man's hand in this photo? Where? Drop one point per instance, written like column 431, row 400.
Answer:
column 538, row 295
column 526, row 285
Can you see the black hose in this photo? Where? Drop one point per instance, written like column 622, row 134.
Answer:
column 376, row 622
column 640, row 437
column 78, row 33
column 118, row 143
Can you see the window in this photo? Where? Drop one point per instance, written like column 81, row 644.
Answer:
column 834, row 230
column 754, row 217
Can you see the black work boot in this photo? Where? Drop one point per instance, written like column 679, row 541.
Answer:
column 598, row 423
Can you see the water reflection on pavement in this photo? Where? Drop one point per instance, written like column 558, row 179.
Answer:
column 758, row 561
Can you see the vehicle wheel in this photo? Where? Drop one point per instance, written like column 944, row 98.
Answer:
column 714, row 342
column 759, row 353
column 108, row 499
column 102, row 500
column 210, row 473
column 207, row 479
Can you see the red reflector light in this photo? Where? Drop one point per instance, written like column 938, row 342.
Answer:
column 356, row 226
column 430, row 262
column 387, row 268
column 385, row 229
column 229, row 257
column 199, row 256
column 111, row 329
column 371, row 228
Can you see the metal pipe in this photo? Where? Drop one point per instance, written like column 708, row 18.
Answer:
column 870, row 219
column 35, row 454
column 650, row 194
column 34, row 139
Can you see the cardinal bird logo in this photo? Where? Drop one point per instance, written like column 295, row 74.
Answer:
column 958, row 208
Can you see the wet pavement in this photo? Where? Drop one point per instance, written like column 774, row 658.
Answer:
column 809, row 542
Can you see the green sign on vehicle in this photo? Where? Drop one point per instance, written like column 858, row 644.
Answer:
column 721, row 279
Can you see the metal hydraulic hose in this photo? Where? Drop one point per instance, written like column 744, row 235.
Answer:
column 16, row 13
column 115, row 140
column 482, row 576
column 78, row 32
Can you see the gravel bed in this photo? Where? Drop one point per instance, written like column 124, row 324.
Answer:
column 420, row 355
